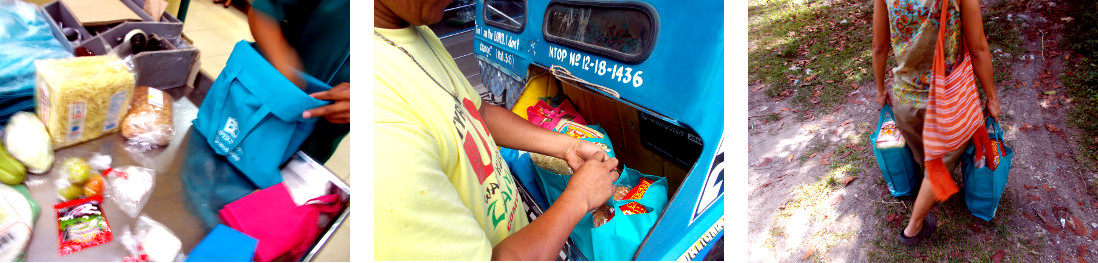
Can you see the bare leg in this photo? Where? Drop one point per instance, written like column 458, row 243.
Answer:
column 923, row 202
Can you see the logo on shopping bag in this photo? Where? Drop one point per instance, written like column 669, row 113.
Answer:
column 227, row 135
column 231, row 127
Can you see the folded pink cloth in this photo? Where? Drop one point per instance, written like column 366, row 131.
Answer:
column 281, row 226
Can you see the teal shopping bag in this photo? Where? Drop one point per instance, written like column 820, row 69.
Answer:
column 901, row 173
column 620, row 237
column 984, row 186
column 252, row 115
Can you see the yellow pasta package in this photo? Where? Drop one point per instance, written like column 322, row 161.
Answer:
column 82, row 98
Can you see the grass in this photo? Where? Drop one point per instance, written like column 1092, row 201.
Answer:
column 954, row 240
column 1005, row 36
column 1082, row 80
column 811, row 52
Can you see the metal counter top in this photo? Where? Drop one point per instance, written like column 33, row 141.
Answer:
column 191, row 184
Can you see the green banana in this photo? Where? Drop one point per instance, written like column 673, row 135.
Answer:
column 12, row 172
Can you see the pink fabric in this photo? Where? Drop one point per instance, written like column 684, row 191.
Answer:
column 281, row 227
column 545, row 116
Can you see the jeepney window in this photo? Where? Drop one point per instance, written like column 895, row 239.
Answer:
column 622, row 31
column 506, row 14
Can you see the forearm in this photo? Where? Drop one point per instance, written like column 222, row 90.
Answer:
column 973, row 28
column 881, row 43
column 511, row 131
column 543, row 238
column 268, row 36
column 981, row 64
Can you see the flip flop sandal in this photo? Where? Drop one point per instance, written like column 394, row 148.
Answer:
column 930, row 224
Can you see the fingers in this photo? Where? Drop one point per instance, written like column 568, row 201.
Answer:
column 339, row 92
column 334, row 108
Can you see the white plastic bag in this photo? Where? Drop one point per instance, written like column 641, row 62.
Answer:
column 129, row 187
column 150, row 241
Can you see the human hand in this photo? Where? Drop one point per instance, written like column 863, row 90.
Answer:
column 993, row 109
column 339, row 111
column 580, row 151
column 593, row 182
column 883, row 98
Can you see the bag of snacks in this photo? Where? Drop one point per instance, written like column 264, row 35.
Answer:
column 81, row 224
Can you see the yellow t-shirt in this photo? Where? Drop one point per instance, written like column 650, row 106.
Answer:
column 442, row 191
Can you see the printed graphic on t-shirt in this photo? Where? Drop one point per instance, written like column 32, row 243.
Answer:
column 499, row 188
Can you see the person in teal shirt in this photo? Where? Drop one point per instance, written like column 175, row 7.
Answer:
column 311, row 37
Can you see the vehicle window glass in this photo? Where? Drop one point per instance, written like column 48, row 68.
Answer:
column 622, row 31
column 506, row 14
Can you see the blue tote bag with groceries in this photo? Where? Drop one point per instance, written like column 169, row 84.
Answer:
column 901, row 173
column 252, row 115
column 983, row 185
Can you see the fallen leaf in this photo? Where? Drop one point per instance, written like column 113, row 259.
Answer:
column 785, row 109
column 836, row 198
column 1050, row 92
column 765, row 161
column 829, row 81
column 1047, row 189
column 791, row 157
column 1080, row 228
column 808, row 253
column 955, row 254
column 1051, row 229
column 1082, row 250
column 854, row 85
column 758, row 89
column 846, row 122
column 810, row 78
column 1029, row 216
column 1051, row 128
column 824, row 162
column 975, row 228
column 858, row 148
column 848, row 179
column 845, row 155
column 828, row 154
column 811, row 156
column 998, row 256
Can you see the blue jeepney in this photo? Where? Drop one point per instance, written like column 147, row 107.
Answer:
column 649, row 72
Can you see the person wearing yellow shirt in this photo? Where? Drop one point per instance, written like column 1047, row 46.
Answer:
column 442, row 191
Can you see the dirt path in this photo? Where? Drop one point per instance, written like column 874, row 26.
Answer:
column 797, row 213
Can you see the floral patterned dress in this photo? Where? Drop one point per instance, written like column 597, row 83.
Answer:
column 914, row 29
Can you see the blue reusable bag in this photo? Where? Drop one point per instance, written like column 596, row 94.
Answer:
column 983, row 186
column 252, row 115
column 620, row 237
column 902, row 174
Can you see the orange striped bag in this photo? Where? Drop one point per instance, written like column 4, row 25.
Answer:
column 953, row 115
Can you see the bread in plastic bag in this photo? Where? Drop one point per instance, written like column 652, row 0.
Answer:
column 149, row 121
column 82, row 98
column 27, row 140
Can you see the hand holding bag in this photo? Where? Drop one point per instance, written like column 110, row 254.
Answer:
column 984, row 185
column 252, row 115
column 953, row 114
